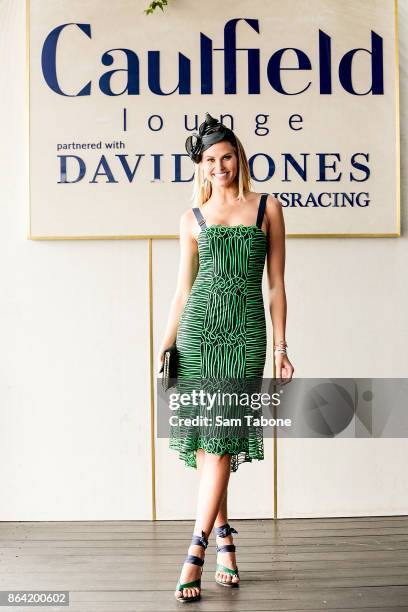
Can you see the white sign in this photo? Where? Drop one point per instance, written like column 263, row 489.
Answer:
column 311, row 89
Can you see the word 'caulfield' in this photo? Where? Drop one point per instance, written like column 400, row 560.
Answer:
column 347, row 77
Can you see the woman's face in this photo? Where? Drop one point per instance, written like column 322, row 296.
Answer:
column 220, row 164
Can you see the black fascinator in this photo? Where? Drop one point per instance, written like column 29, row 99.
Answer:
column 209, row 132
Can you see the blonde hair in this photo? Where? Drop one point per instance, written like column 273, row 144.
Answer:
column 202, row 189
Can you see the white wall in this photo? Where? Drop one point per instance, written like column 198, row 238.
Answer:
column 74, row 364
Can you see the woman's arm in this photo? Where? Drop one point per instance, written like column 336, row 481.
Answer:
column 276, row 281
column 187, row 272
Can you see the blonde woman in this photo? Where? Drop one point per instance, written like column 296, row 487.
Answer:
column 217, row 320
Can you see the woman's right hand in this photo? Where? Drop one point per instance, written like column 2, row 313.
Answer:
column 160, row 359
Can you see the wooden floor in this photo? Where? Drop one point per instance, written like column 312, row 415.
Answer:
column 133, row 566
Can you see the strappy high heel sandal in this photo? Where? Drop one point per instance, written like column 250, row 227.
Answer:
column 200, row 541
column 223, row 532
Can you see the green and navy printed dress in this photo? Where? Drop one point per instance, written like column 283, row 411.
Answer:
column 222, row 336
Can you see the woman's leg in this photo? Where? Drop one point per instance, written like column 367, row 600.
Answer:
column 214, row 476
column 228, row 559
column 225, row 558
column 200, row 458
column 222, row 516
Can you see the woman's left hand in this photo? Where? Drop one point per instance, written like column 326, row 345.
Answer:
column 284, row 369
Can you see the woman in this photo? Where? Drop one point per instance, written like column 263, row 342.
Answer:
column 217, row 320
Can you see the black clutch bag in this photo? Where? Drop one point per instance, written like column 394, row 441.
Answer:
column 169, row 366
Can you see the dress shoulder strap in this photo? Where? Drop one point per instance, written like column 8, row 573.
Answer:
column 261, row 209
column 199, row 217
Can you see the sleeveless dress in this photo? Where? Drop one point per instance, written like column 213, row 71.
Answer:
column 221, row 336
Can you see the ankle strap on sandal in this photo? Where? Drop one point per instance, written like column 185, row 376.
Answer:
column 224, row 530
column 200, row 540
column 193, row 559
column 226, row 548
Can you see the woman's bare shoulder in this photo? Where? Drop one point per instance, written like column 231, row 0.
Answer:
column 273, row 206
column 274, row 213
column 272, row 203
column 187, row 216
column 255, row 196
column 188, row 222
